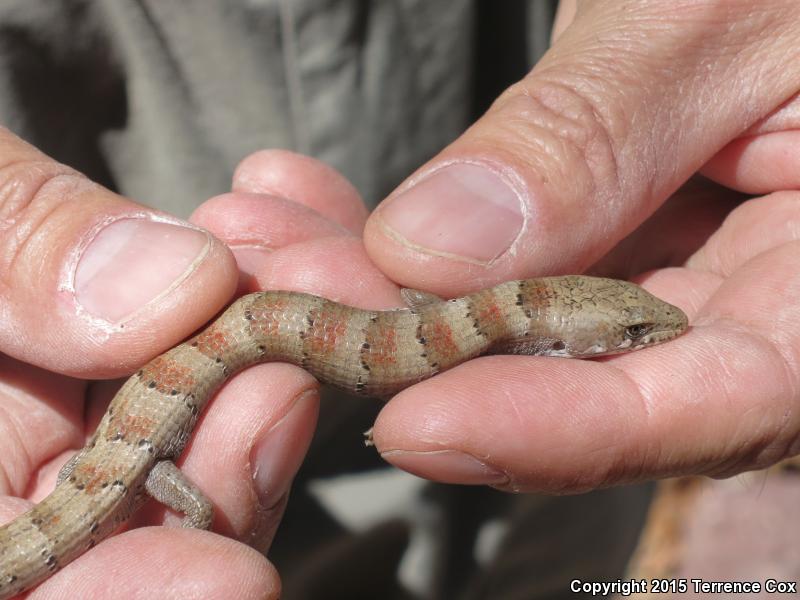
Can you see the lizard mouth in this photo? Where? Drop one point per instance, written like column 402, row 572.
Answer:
column 658, row 336
column 652, row 338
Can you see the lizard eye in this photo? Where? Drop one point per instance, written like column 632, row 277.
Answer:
column 633, row 332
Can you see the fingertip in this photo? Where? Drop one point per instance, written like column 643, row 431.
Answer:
column 486, row 422
column 262, row 221
column 304, row 180
column 438, row 429
column 116, row 281
column 336, row 268
column 758, row 164
column 587, row 177
column 116, row 319
column 488, row 210
column 253, row 437
column 254, row 225
column 453, row 228
column 468, row 211
column 158, row 562
column 447, row 466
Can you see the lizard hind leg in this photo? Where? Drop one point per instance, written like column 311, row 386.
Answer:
column 167, row 484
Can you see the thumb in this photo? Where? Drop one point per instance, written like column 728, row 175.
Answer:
column 631, row 100
column 92, row 284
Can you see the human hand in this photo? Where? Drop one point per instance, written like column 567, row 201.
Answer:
column 628, row 104
column 92, row 286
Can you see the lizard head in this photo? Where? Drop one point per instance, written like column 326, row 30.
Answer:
column 578, row 316
column 629, row 318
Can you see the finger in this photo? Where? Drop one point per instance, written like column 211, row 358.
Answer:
column 165, row 563
column 678, row 229
column 755, row 309
column 581, row 151
column 253, row 225
column 304, row 180
column 756, row 226
column 758, row 164
column 765, row 158
column 248, row 447
column 784, row 118
column 96, row 283
column 718, row 400
column 262, row 221
column 336, row 268
column 526, row 423
column 41, row 415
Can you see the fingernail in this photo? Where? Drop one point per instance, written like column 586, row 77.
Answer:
column 133, row 261
column 465, row 210
column 275, row 457
column 447, row 466
column 265, row 524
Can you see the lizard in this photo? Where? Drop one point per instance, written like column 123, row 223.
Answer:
column 370, row 353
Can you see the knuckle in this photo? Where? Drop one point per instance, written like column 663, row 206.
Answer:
column 30, row 191
column 569, row 136
column 20, row 184
column 772, row 444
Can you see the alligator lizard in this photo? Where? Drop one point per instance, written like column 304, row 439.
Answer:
column 369, row 353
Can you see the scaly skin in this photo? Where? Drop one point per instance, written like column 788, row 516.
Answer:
column 369, row 353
